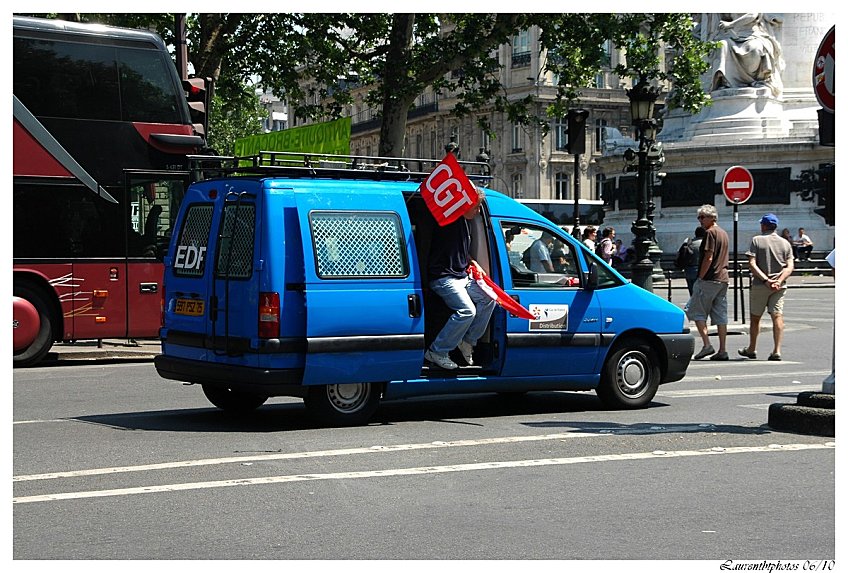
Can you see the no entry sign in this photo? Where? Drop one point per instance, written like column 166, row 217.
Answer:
column 737, row 184
column 824, row 72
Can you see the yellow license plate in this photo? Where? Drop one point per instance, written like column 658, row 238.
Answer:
column 189, row 306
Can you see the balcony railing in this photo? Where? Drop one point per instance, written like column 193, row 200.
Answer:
column 521, row 60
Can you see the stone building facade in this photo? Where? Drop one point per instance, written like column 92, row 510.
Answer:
column 774, row 133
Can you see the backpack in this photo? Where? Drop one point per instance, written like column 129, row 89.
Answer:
column 525, row 256
column 600, row 248
column 686, row 255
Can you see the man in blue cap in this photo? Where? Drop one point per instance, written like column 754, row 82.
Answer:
column 771, row 263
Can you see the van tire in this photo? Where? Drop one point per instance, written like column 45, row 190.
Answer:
column 231, row 401
column 43, row 342
column 343, row 404
column 630, row 378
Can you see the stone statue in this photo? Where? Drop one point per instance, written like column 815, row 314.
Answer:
column 749, row 54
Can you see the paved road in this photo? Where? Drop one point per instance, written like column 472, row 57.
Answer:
column 112, row 462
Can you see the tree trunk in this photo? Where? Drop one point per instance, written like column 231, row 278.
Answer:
column 397, row 97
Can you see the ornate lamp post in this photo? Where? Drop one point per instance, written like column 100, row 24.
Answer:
column 642, row 97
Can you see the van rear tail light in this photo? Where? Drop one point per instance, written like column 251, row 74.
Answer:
column 269, row 315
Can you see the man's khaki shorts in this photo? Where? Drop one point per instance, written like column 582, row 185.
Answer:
column 763, row 298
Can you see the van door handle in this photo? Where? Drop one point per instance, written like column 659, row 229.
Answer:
column 148, row 287
column 414, row 302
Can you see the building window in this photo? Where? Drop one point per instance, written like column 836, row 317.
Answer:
column 606, row 59
column 561, row 186
column 561, row 133
column 517, row 186
column 521, row 49
column 517, row 137
column 600, row 80
column 599, row 185
column 484, row 139
column 600, row 134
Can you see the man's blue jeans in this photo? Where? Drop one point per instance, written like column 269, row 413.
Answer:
column 472, row 309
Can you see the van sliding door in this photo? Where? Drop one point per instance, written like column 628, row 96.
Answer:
column 363, row 301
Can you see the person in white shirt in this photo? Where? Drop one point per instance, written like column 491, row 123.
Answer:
column 803, row 245
column 589, row 235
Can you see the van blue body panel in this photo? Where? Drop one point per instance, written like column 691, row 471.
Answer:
column 345, row 260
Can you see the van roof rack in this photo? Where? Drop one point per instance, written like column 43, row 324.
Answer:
column 327, row 166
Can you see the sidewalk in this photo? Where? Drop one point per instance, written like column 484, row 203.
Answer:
column 144, row 350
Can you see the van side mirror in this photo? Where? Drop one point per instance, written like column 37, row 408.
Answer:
column 590, row 278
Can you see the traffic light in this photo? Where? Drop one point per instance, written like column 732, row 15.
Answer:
column 826, row 193
column 576, row 131
column 197, row 93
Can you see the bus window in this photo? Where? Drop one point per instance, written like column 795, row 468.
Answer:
column 61, row 222
column 65, row 79
column 147, row 90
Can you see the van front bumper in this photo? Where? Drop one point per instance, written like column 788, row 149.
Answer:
column 679, row 349
column 267, row 382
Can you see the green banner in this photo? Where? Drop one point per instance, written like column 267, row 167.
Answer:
column 330, row 137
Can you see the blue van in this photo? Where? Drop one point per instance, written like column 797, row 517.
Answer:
column 310, row 281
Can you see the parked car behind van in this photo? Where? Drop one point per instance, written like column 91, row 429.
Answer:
column 311, row 282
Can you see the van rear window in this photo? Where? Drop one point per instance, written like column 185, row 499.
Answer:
column 356, row 244
column 235, row 251
column 190, row 253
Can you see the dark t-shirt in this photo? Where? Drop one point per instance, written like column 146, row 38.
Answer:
column 450, row 250
column 716, row 241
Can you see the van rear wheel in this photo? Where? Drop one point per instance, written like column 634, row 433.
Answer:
column 343, row 404
column 232, row 401
column 630, row 378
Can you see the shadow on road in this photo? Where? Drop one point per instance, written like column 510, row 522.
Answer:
column 292, row 416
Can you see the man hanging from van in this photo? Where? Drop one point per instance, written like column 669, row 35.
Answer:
column 447, row 273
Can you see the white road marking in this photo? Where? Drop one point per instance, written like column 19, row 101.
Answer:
column 600, row 432
column 700, row 392
column 416, row 471
column 305, row 455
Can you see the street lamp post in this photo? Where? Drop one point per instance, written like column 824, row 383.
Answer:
column 642, row 97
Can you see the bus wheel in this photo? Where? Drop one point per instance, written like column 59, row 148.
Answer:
column 343, row 404
column 232, row 401
column 33, row 309
column 630, row 378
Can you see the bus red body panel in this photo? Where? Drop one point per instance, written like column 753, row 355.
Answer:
column 30, row 158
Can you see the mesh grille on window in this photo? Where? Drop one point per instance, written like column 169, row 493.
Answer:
column 358, row 244
column 193, row 241
column 235, row 254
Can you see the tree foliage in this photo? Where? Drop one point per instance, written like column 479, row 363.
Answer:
column 314, row 59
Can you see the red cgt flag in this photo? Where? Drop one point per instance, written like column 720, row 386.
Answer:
column 447, row 191
column 498, row 294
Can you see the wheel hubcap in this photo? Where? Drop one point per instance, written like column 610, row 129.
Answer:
column 632, row 374
column 348, row 397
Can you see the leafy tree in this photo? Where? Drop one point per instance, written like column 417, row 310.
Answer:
column 310, row 57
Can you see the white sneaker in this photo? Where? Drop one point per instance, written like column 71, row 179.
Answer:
column 467, row 351
column 440, row 360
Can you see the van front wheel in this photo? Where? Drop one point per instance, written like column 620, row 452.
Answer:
column 630, row 378
column 343, row 404
column 231, row 401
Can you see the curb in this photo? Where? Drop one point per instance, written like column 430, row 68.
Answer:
column 814, row 413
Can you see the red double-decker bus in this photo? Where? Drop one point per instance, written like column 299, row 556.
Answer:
column 102, row 131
